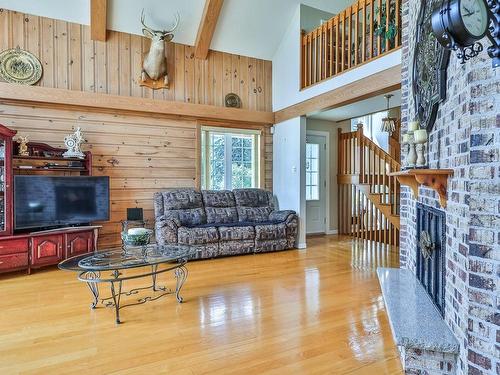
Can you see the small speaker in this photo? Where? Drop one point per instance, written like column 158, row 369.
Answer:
column 134, row 214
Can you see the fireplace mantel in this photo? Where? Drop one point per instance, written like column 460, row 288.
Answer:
column 436, row 179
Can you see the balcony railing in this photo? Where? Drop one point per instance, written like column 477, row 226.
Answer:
column 357, row 35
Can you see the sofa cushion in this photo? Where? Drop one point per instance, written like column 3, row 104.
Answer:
column 186, row 205
column 253, row 205
column 270, row 231
column 220, row 206
column 239, row 233
column 182, row 199
column 197, row 235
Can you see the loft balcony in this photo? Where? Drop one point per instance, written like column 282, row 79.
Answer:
column 359, row 34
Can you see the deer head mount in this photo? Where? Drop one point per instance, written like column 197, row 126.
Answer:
column 154, row 64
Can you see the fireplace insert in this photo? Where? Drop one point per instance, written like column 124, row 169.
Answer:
column 431, row 252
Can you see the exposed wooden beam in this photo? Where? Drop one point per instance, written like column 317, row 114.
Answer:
column 207, row 27
column 376, row 84
column 12, row 93
column 98, row 19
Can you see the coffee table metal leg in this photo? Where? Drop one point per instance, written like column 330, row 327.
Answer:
column 94, row 287
column 181, row 274
column 116, row 298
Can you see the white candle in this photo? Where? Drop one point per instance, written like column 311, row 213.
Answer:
column 420, row 136
column 406, row 138
column 412, row 126
column 137, row 231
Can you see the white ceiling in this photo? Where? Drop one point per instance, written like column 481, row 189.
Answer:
column 361, row 108
column 247, row 27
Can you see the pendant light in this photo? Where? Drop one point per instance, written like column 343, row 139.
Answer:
column 388, row 123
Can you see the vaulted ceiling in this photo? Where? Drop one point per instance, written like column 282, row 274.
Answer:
column 246, row 27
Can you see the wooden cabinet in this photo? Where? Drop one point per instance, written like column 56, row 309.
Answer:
column 25, row 250
column 35, row 250
column 79, row 243
column 46, row 250
column 6, row 180
column 14, row 245
column 13, row 262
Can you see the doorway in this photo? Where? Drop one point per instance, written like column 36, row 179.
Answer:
column 317, row 182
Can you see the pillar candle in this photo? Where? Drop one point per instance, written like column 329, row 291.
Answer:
column 412, row 126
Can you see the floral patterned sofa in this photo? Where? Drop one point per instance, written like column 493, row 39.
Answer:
column 221, row 223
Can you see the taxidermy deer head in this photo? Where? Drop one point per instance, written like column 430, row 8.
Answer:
column 154, row 64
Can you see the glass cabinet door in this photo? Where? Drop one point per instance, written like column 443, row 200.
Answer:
column 3, row 190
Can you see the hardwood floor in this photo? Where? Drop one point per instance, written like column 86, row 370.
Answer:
column 314, row 311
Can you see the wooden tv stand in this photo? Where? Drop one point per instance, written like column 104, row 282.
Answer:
column 29, row 250
column 39, row 249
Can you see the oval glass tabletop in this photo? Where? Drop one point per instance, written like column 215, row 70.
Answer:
column 117, row 259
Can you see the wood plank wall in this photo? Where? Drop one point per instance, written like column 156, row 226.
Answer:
column 72, row 61
column 141, row 155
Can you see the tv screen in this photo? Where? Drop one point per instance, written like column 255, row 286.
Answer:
column 47, row 201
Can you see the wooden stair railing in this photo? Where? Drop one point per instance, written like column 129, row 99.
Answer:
column 369, row 197
column 355, row 36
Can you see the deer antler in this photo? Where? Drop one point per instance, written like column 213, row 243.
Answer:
column 143, row 24
column 177, row 19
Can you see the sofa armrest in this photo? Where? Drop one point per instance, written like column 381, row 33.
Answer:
column 291, row 221
column 281, row 215
column 166, row 230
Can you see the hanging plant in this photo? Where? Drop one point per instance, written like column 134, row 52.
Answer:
column 382, row 29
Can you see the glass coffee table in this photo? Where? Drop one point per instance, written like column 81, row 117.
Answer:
column 118, row 265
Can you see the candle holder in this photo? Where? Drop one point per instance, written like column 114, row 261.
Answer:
column 411, row 155
column 420, row 138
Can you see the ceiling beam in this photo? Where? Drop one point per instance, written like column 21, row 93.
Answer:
column 98, row 19
column 379, row 83
column 207, row 28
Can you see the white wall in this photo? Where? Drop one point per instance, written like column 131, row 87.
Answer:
column 310, row 18
column 286, row 70
column 289, row 172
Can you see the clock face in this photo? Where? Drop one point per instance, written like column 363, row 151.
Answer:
column 474, row 16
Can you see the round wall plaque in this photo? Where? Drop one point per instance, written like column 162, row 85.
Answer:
column 232, row 101
column 19, row 66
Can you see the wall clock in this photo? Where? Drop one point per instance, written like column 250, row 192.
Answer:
column 460, row 24
column 430, row 62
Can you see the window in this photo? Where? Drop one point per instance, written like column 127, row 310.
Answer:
column 371, row 128
column 312, row 171
column 230, row 158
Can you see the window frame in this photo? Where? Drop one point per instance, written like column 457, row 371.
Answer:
column 229, row 133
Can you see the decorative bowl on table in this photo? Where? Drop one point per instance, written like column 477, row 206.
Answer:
column 137, row 236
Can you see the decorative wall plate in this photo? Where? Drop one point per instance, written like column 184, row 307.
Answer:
column 430, row 63
column 19, row 66
column 232, row 101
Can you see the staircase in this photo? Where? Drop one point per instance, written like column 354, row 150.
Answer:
column 369, row 197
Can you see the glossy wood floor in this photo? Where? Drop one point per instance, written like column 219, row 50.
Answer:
column 314, row 311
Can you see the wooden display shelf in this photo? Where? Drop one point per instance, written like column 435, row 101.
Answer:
column 436, row 179
column 51, row 158
column 74, row 169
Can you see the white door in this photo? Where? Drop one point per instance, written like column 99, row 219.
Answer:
column 315, row 184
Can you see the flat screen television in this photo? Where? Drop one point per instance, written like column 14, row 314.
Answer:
column 55, row 201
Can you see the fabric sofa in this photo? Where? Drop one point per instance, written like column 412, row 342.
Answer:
column 221, row 223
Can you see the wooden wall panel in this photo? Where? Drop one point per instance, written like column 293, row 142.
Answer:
column 71, row 60
column 141, row 154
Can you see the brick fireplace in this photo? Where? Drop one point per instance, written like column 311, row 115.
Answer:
column 465, row 138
